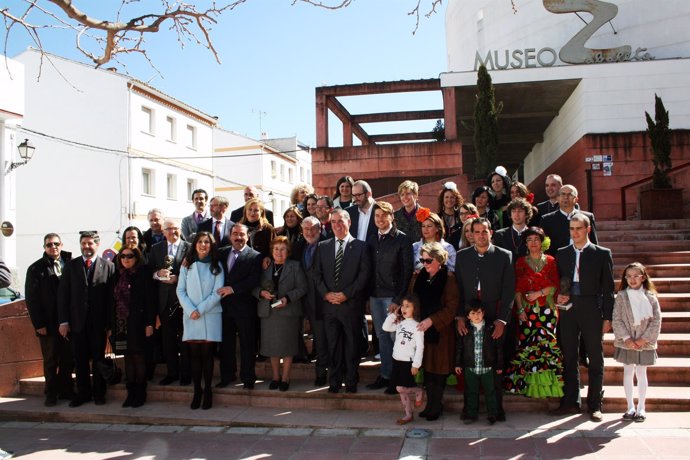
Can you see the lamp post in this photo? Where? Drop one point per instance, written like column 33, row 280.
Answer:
column 26, row 152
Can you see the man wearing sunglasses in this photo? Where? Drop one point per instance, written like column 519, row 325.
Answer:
column 85, row 297
column 42, row 281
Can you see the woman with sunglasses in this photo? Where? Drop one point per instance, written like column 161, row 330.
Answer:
column 197, row 290
column 438, row 294
column 133, row 319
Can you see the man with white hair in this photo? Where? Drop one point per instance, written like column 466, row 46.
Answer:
column 555, row 224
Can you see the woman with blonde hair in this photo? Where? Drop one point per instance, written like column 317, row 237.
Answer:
column 299, row 193
column 260, row 231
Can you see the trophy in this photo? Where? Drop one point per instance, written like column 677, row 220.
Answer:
column 167, row 265
column 565, row 290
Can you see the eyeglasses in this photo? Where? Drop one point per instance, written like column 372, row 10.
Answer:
column 53, row 245
column 357, row 195
column 425, row 261
column 127, row 256
column 633, row 277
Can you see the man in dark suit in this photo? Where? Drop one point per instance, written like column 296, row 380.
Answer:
column 200, row 214
column 555, row 224
column 510, row 238
column 250, row 192
column 85, row 298
column 392, row 265
column 42, row 281
column 362, row 211
column 485, row 272
column 590, row 269
column 304, row 251
column 342, row 272
column 166, row 258
column 242, row 269
column 552, row 187
column 324, row 208
column 154, row 234
column 218, row 224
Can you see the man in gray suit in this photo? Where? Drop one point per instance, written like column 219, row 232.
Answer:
column 200, row 214
column 341, row 272
column 165, row 260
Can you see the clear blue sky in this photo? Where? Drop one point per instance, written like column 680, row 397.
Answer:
column 274, row 54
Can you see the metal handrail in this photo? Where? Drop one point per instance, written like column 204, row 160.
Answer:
column 643, row 181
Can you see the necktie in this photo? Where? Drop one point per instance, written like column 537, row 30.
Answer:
column 216, row 232
column 338, row 262
column 57, row 267
column 233, row 258
column 199, row 218
column 88, row 263
column 171, row 250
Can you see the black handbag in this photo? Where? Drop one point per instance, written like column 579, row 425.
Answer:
column 108, row 368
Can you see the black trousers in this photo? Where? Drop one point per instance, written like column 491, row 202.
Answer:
column 584, row 320
column 88, row 347
column 58, row 364
column 343, row 334
column 175, row 351
column 245, row 327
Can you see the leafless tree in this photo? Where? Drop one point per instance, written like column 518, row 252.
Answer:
column 104, row 40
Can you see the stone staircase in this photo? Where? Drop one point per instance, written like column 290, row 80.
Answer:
column 663, row 246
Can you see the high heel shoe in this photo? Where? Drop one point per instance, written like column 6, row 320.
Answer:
column 274, row 385
column 196, row 400
column 208, row 398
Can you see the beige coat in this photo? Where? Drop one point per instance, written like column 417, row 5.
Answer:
column 622, row 323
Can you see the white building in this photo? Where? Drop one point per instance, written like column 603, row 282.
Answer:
column 11, row 113
column 108, row 149
column 274, row 166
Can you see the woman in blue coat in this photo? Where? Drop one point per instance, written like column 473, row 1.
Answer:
column 197, row 286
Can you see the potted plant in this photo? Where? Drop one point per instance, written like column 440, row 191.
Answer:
column 662, row 201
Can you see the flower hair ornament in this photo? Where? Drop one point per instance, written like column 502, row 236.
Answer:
column 422, row 214
column 530, row 198
column 546, row 244
column 450, row 185
column 472, row 216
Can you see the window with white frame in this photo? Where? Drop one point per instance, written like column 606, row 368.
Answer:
column 171, row 129
column 291, row 177
column 172, row 187
column 282, row 173
column 301, row 174
column 191, row 186
column 148, row 123
column 148, row 182
column 274, row 169
column 190, row 142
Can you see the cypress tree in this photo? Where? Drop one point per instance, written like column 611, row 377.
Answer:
column 660, row 135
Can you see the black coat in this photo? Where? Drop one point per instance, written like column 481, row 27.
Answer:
column 392, row 265
column 142, row 308
column 556, row 227
column 41, row 290
column 492, row 352
column 243, row 278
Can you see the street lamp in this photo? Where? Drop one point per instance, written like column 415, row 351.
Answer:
column 26, row 152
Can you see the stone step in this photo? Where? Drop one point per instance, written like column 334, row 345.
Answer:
column 658, row 270
column 641, row 235
column 649, row 246
column 668, row 345
column 672, row 285
column 301, row 396
column 643, row 225
column 675, row 322
column 666, row 371
column 649, row 257
column 674, row 302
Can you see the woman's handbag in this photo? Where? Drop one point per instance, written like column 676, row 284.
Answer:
column 108, row 368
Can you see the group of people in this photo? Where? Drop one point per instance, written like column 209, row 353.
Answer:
column 508, row 294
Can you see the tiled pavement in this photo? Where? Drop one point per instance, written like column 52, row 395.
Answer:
column 257, row 433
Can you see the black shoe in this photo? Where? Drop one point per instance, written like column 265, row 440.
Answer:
column 248, row 385
column 260, row 358
column 139, row 395
column 196, row 399
column 167, row 380
column 391, row 390
column 130, row 395
column 321, row 379
column 334, row 389
column 501, row 417
column 274, row 385
column 629, row 416
column 51, row 401
column 639, row 418
column 208, row 399
column 378, row 384
column 185, row 381
column 100, row 401
column 425, row 412
column 284, row 386
column 225, row 383
column 432, row 417
column 70, row 395
column 492, row 420
column 79, row 400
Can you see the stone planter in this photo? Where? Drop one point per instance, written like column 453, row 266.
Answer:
column 661, row 204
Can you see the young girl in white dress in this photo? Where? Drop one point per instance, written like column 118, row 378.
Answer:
column 636, row 326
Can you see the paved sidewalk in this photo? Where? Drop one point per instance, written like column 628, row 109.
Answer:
column 254, row 433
